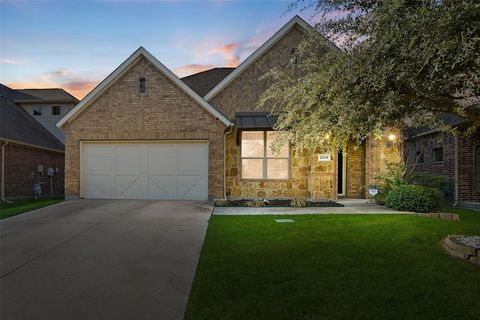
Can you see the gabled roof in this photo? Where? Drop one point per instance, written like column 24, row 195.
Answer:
column 18, row 126
column 124, row 67
column 47, row 95
column 295, row 21
column 205, row 81
column 13, row 94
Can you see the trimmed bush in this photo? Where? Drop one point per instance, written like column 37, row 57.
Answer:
column 439, row 182
column 415, row 198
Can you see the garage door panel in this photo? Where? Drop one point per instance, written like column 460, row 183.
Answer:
column 129, row 185
column 99, row 185
column 162, row 158
column 162, row 186
column 146, row 171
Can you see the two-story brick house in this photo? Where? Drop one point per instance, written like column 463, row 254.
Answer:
column 143, row 133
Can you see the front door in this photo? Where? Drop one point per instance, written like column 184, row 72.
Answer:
column 341, row 173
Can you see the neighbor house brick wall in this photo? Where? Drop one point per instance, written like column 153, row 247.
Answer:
column 447, row 168
column 166, row 113
column 243, row 93
column 426, row 144
column 21, row 163
column 466, row 168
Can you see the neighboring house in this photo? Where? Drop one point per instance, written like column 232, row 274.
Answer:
column 143, row 133
column 47, row 106
column 26, row 145
column 457, row 158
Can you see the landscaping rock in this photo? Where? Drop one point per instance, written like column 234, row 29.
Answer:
column 463, row 247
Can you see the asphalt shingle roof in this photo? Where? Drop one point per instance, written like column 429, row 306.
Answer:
column 16, row 124
column 49, row 94
column 205, row 81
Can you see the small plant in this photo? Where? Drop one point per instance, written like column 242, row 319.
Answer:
column 298, row 202
column 414, row 198
column 439, row 182
column 255, row 203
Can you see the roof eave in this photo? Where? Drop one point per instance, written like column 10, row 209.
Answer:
column 120, row 70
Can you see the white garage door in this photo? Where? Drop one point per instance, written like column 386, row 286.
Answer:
column 145, row 171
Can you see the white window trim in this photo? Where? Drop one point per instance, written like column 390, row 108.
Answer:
column 265, row 159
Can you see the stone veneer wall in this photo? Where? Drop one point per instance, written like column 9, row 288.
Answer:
column 310, row 178
column 356, row 172
column 166, row 113
column 377, row 151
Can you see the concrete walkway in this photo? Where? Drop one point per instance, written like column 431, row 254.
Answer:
column 101, row 259
column 351, row 206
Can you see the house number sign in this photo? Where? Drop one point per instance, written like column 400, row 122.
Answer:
column 324, row 157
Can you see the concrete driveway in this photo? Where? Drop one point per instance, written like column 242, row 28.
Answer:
column 101, row 259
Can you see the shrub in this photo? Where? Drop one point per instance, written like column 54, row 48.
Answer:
column 414, row 198
column 441, row 183
column 298, row 202
column 255, row 203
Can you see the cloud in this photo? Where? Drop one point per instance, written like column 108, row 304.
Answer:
column 228, row 52
column 61, row 73
column 189, row 69
column 8, row 61
column 78, row 89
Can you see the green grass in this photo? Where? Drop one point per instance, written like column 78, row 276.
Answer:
column 24, row 205
column 334, row 267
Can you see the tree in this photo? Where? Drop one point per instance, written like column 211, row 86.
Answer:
column 400, row 63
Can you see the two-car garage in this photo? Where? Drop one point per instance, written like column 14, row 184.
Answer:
column 145, row 170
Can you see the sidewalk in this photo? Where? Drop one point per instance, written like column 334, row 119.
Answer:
column 351, row 206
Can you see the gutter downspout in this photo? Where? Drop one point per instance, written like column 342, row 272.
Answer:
column 225, row 162
column 3, row 170
column 455, row 203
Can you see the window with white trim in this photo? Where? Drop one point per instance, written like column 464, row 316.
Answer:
column 259, row 160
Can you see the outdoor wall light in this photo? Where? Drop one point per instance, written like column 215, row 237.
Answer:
column 392, row 137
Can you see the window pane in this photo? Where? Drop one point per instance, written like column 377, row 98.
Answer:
column 438, row 154
column 56, row 110
column 272, row 137
column 277, row 169
column 252, row 168
column 252, row 144
column 37, row 111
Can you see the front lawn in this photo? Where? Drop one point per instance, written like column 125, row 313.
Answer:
column 334, row 267
column 20, row 206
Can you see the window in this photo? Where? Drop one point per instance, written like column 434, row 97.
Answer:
column 259, row 161
column 37, row 111
column 420, row 157
column 55, row 110
column 294, row 59
column 477, row 169
column 438, row 154
column 142, row 86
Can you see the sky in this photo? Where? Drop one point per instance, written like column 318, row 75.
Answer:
column 75, row 44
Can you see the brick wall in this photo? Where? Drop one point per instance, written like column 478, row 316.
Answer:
column 466, row 168
column 166, row 113
column 466, row 160
column 21, row 164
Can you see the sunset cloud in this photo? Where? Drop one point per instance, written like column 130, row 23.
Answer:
column 191, row 69
column 229, row 54
column 78, row 89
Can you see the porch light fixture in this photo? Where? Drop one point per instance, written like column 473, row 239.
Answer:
column 392, row 137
